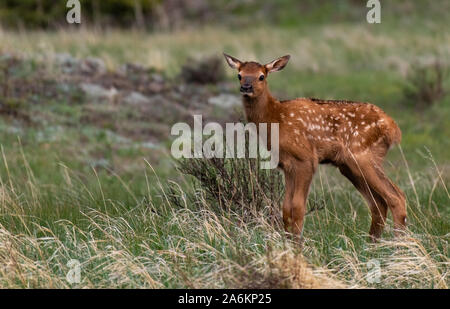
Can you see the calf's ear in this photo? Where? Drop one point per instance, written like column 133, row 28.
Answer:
column 277, row 64
column 233, row 62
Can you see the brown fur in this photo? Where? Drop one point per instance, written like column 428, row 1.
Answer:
column 352, row 136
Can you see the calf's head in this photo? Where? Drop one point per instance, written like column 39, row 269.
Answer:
column 252, row 75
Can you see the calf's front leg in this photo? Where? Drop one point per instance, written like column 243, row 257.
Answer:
column 287, row 203
column 298, row 181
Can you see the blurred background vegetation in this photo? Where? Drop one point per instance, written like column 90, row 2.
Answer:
column 176, row 14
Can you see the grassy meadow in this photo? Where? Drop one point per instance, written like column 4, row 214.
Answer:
column 71, row 189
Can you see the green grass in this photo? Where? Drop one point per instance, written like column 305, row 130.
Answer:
column 71, row 191
column 135, row 234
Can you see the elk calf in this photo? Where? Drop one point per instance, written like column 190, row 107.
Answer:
column 352, row 136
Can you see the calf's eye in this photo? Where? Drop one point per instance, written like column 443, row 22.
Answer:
column 239, row 76
column 261, row 78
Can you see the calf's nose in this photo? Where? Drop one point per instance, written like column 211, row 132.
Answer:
column 246, row 88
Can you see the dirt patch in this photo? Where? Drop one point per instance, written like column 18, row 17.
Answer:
column 137, row 102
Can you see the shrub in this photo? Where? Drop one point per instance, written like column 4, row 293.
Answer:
column 425, row 84
column 237, row 185
column 205, row 71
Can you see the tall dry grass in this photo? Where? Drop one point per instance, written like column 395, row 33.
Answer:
column 159, row 240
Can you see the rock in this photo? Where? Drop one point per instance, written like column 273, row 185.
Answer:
column 89, row 66
column 157, row 83
column 64, row 59
column 93, row 66
column 148, row 145
column 157, row 78
column 98, row 92
column 143, row 79
column 67, row 63
column 136, row 98
column 132, row 69
column 100, row 163
column 225, row 100
column 155, row 87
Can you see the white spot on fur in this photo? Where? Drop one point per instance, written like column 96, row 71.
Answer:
column 302, row 121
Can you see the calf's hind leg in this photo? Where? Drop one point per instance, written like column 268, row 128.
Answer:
column 377, row 205
column 396, row 201
column 381, row 194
